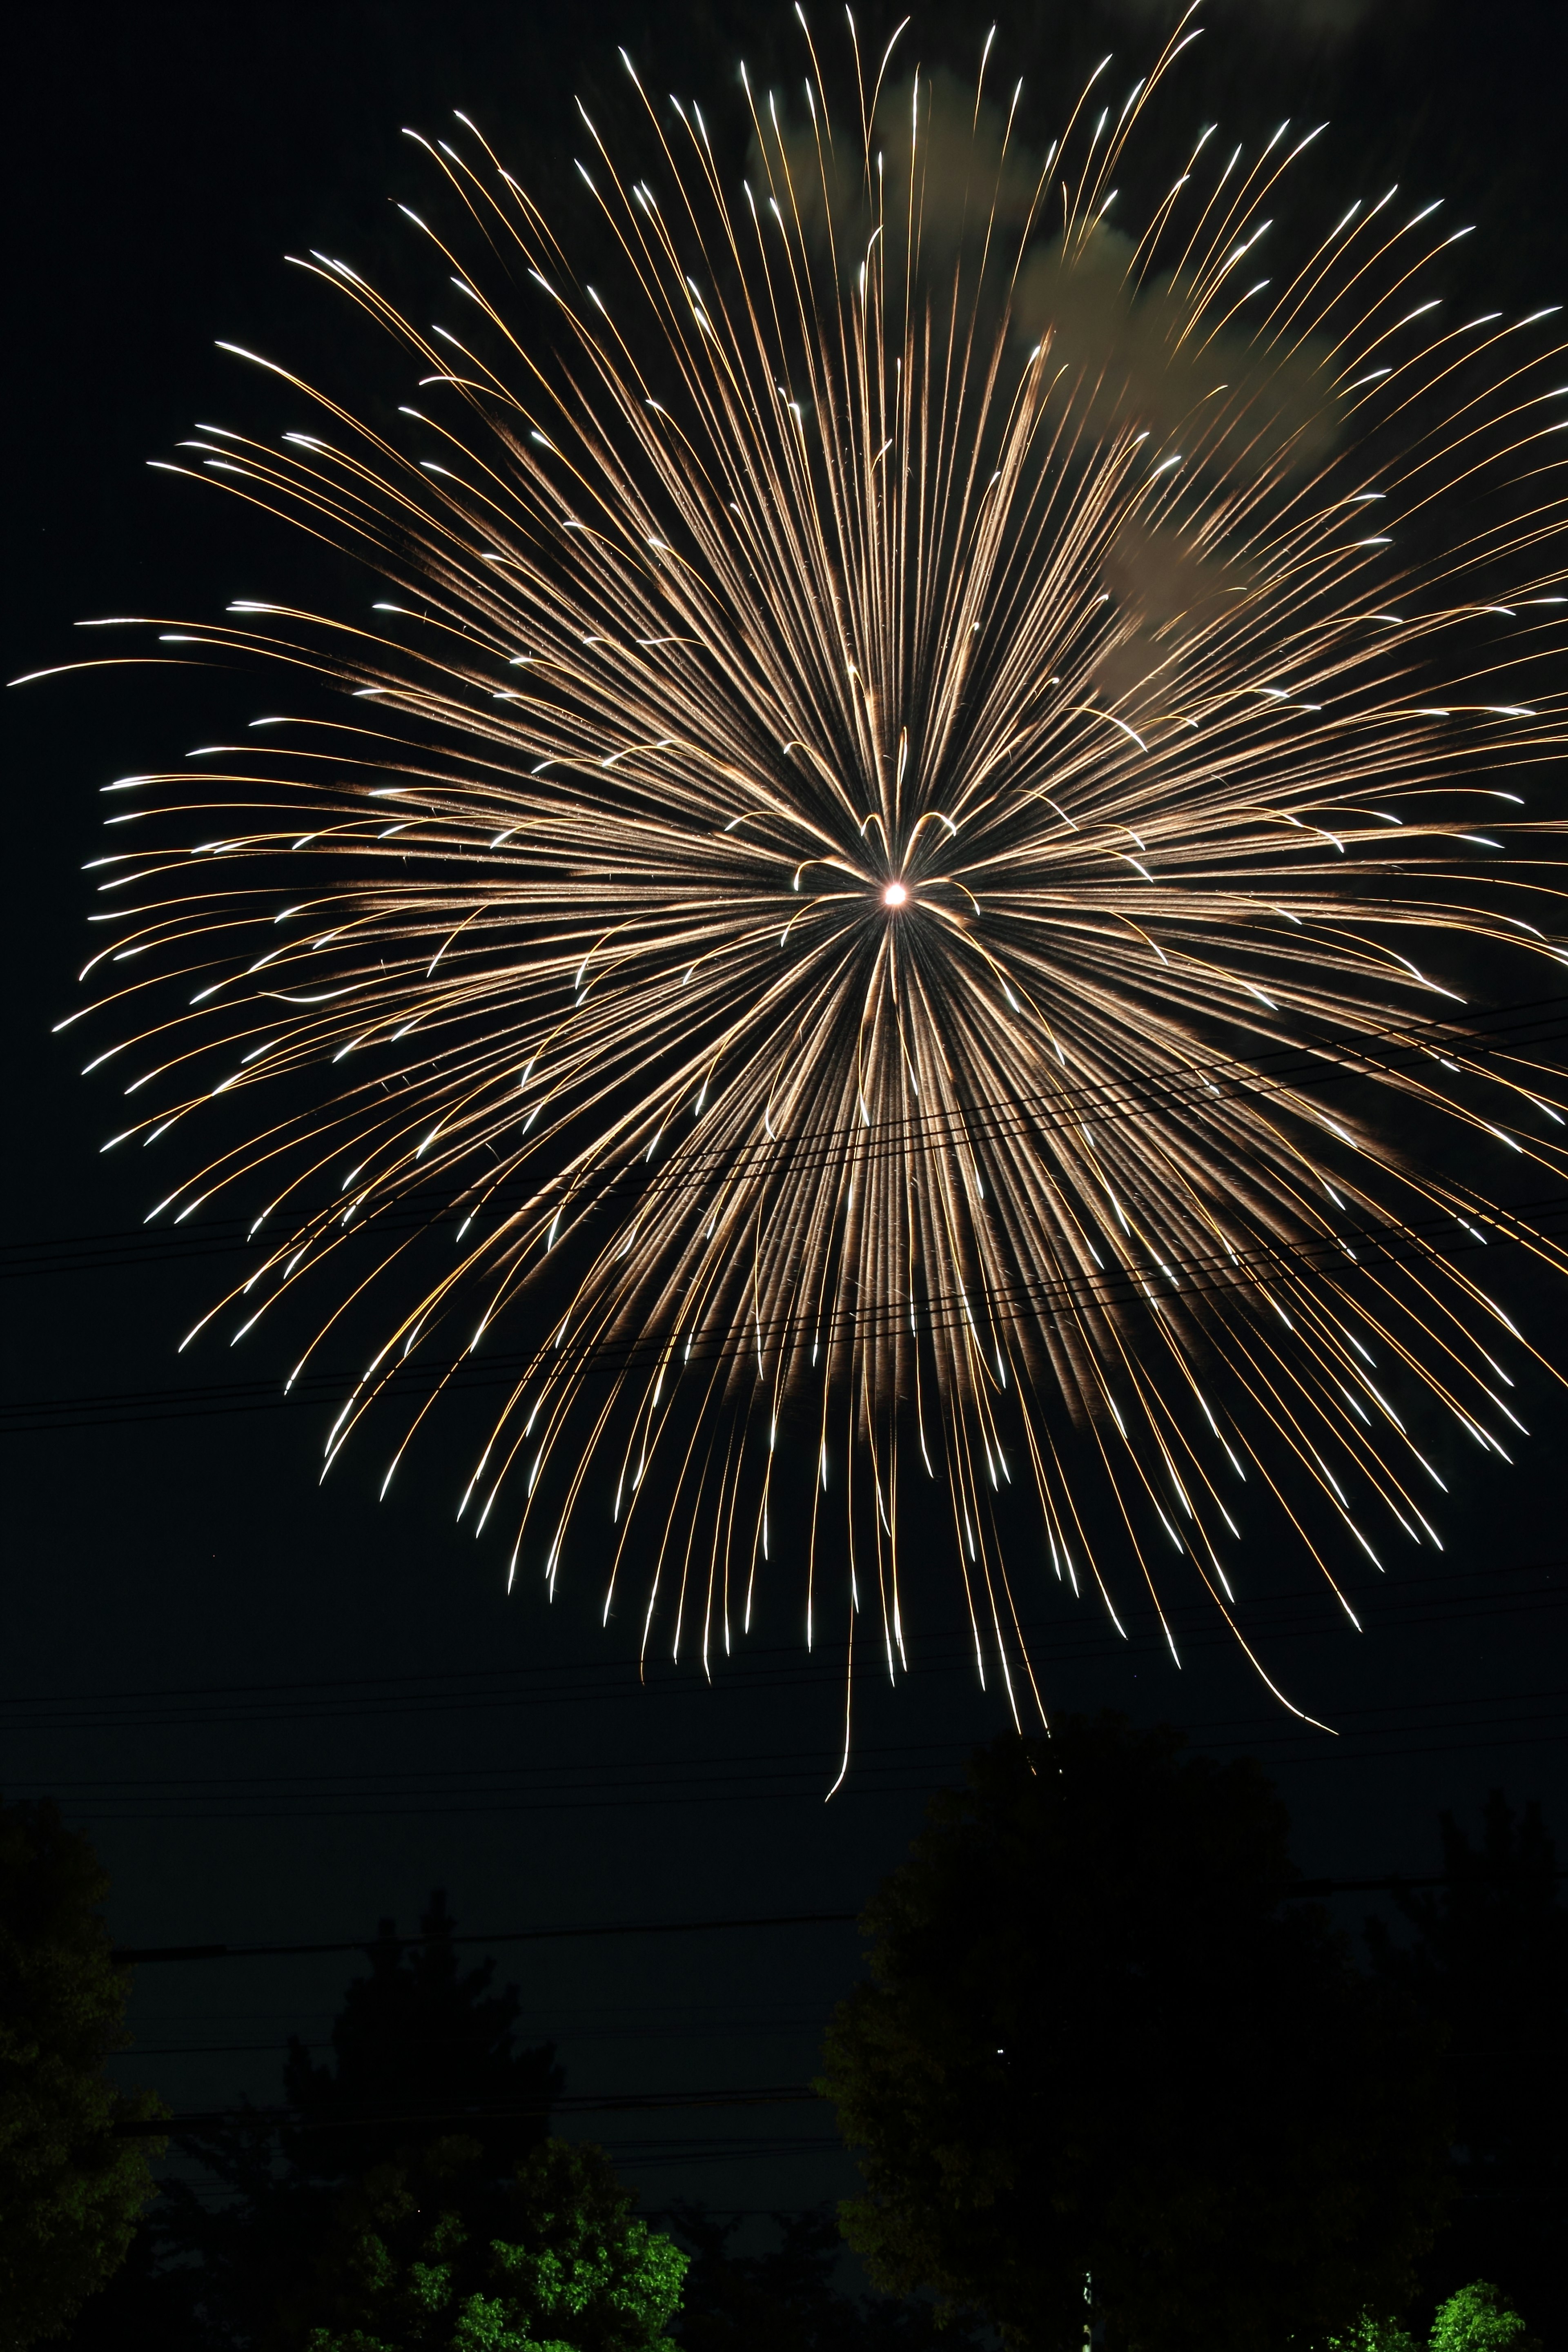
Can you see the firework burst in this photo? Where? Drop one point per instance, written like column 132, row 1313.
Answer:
column 911, row 741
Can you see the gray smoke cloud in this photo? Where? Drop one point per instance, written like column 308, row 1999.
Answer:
column 952, row 185
column 1141, row 356
column 942, row 165
column 1119, row 354
column 1164, row 592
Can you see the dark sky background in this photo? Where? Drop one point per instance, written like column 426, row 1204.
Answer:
column 283, row 1713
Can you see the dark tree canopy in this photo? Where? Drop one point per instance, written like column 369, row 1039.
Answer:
column 69, row 2189
column 427, row 2048
column 1490, row 1962
column 787, row 2299
column 1096, row 2042
column 423, row 2051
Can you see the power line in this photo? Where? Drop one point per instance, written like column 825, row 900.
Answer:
column 1290, row 1613
column 1067, row 1104
column 1291, row 1890
column 1487, row 1742
column 1026, row 1301
column 1390, row 1239
column 1278, row 1615
column 606, row 2102
column 771, row 2028
column 362, row 1797
column 667, row 2154
column 128, row 1956
column 886, row 1768
column 230, row 1692
column 584, row 2103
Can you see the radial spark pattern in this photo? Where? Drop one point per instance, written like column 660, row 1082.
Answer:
column 903, row 865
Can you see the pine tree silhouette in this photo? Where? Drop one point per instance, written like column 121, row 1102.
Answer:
column 419, row 2051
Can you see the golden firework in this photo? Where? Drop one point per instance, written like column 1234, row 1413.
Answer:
column 912, row 740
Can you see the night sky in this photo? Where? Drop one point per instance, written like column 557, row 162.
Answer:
column 283, row 1712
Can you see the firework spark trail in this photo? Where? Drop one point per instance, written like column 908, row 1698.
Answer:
column 907, row 675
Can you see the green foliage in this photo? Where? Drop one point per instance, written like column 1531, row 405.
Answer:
column 70, row 2188
column 1480, row 2318
column 426, row 2260
column 1370, row 2335
column 1095, row 2042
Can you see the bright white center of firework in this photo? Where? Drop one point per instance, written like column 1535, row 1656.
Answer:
column 894, row 895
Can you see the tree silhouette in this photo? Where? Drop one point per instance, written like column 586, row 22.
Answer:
column 420, row 2050
column 787, row 2299
column 1097, row 2043
column 1489, row 1963
column 69, row 2189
